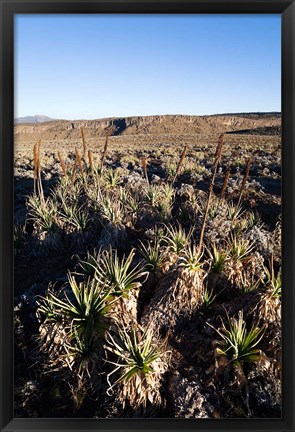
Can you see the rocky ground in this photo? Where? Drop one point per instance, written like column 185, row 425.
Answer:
column 189, row 302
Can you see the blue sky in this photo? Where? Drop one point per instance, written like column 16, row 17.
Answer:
column 95, row 66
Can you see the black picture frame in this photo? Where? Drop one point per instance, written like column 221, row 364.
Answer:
column 7, row 10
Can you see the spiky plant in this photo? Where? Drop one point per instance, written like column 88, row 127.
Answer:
column 215, row 205
column 154, row 260
column 68, row 191
column 234, row 211
column 165, row 202
column 131, row 207
column 121, row 277
column 111, row 209
column 73, row 325
column 153, row 195
column 268, row 301
column 236, row 346
column 191, row 258
column 239, row 248
column 83, row 357
column 176, row 240
column 63, row 188
column 249, row 284
column 273, row 281
column 171, row 168
column 19, row 237
column 164, row 210
column 253, row 220
column 190, row 269
column 241, row 226
column 118, row 273
column 77, row 218
column 240, row 254
column 168, row 192
column 218, row 258
column 152, row 255
column 139, row 364
column 87, row 267
column 84, row 310
column 208, row 298
column 237, row 343
column 112, row 177
column 178, row 294
column 123, row 195
column 113, row 215
column 43, row 214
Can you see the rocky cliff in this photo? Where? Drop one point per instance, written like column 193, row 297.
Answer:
column 158, row 125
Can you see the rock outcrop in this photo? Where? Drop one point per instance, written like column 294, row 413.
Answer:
column 153, row 125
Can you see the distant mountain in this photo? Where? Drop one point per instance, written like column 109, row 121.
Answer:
column 249, row 123
column 33, row 119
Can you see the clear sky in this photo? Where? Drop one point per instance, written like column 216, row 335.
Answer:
column 94, row 66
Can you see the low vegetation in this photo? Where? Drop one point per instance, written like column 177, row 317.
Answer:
column 148, row 284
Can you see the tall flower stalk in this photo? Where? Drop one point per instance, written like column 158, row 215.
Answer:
column 215, row 166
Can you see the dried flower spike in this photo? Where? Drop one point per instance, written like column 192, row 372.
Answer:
column 90, row 159
column 79, row 160
column 214, row 168
column 144, row 164
column 180, row 162
column 245, row 178
column 83, row 142
column 63, row 166
column 104, row 149
column 225, row 182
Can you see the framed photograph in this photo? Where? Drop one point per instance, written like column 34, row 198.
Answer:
column 147, row 215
